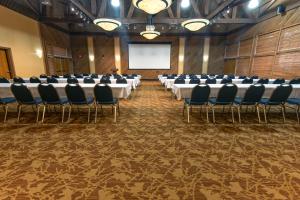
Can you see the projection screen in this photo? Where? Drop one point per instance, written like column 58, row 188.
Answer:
column 149, row 55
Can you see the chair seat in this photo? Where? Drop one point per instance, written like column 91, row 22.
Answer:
column 61, row 102
column 114, row 101
column 294, row 101
column 266, row 101
column 189, row 102
column 239, row 101
column 89, row 100
column 213, row 101
column 7, row 100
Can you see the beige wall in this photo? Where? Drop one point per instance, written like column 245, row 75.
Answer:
column 21, row 34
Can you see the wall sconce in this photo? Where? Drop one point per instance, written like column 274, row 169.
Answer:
column 39, row 53
column 92, row 58
column 117, row 57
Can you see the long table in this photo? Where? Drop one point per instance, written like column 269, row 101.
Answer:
column 185, row 90
column 121, row 91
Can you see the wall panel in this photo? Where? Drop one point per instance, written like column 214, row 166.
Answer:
column 262, row 66
column 287, row 65
column 266, row 44
column 245, row 47
column 232, row 50
column 193, row 57
column 290, row 39
column 80, row 54
column 243, row 66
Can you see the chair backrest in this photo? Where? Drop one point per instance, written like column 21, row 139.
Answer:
column 227, row 93
column 254, row 93
column 75, row 93
column 34, row 79
column 21, row 93
column 72, row 80
column 179, row 81
column 226, row 80
column 132, row 77
column 220, row 76
column 52, row 80
column 279, row 81
column 3, row 80
column 85, row 74
column 231, row 76
column 168, row 77
column 211, row 81
column 263, row 81
column 94, row 76
column 121, row 81
column 79, row 76
column 247, row 81
column 54, row 76
column 48, row 93
column 88, row 80
column 103, row 93
column 105, row 80
column 18, row 79
column 127, row 75
column 242, row 77
column 43, row 76
column 200, row 93
column 195, row 81
column 254, row 77
column 67, row 76
column 116, row 76
column 281, row 93
column 295, row 81
column 204, row 76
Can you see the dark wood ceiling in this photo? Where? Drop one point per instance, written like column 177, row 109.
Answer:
column 225, row 15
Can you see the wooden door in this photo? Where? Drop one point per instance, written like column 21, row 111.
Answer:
column 229, row 66
column 4, row 66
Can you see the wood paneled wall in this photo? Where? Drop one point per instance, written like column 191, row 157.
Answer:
column 193, row 56
column 80, row 54
column 216, row 55
column 270, row 48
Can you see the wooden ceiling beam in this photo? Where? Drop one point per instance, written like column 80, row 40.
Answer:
column 195, row 8
column 130, row 12
column 83, row 9
column 94, row 7
column 31, row 6
column 170, row 12
column 220, row 8
column 102, row 8
column 178, row 8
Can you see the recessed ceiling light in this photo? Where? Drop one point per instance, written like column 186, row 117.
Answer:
column 115, row 3
column 253, row 4
column 185, row 3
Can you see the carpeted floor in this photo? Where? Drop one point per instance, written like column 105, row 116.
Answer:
column 150, row 153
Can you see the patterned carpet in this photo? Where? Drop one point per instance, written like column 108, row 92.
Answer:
column 150, row 153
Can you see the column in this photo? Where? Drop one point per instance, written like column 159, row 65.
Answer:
column 181, row 55
column 205, row 55
column 90, row 43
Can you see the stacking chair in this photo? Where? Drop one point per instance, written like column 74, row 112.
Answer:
column 3, row 80
column 168, row 77
column 252, row 97
column 121, row 81
column 211, row 81
column 220, row 76
column 226, row 80
column 34, row 79
column 278, row 98
column 67, row 76
column 231, row 76
column 104, row 96
column 179, row 81
column 247, row 81
column 295, row 81
column 76, row 97
column 195, row 81
column 279, row 81
column 242, row 77
column 105, row 80
column 295, row 104
column 43, row 76
column 89, row 80
column 85, row 74
column 127, row 75
column 79, row 76
column 199, row 97
column 25, row 98
column 225, row 97
column 54, row 76
column 50, row 97
column 72, row 80
column 94, row 76
column 18, row 79
column 254, row 77
column 52, row 80
column 132, row 77
column 5, row 102
column 263, row 81
column 204, row 76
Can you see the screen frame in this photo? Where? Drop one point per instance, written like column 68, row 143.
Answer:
column 136, row 42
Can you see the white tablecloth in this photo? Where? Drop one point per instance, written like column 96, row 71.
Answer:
column 185, row 90
column 162, row 79
column 119, row 90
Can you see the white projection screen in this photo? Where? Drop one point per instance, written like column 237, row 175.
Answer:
column 149, row 55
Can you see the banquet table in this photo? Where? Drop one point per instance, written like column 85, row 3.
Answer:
column 185, row 90
column 119, row 90
column 162, row 79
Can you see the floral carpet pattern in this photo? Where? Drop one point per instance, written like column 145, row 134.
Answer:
column 150, row 153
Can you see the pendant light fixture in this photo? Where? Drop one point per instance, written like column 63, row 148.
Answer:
column 107, row 24
column 150, row 32
column 195, row 24
column 152, row 6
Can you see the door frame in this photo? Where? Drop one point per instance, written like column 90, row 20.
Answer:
column 10, row 61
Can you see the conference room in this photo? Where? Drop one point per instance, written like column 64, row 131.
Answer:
column 149, row 99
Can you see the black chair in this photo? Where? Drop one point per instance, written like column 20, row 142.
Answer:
column 132, row 77
column 54, row 76
column 204, row 76
column 254, row 77
column 85, row 74
column 34, row 79
column 231, row 76
column 43, row 76
column 199, row 97
column 104, row 96
column 295, row 81
column 66, row 76
column 18, row 79
column 211, row 81
column 104, row 80
column 5, row 102
column 220, row 76
column 94, row 76
column 50, row 97
column 263, row 81
column 225, row 97
column 127, row 75
column 79, row 76
column 117, row 76
column 179, row 81
column 279, row 81
column 88, row 80
column 278, row 98
column 25, row 98
column 72, row 80
column 121, row 81
column 76, row 97
column 52, row 80
column 226, row 80
column 3, row 80
column 252, row 97
column 295, row 102
column 195, row 81
column 247, row 81
column 168, row 77
column 242, row 77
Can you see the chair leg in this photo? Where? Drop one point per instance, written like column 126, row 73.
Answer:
column 89, row 114
column 239, row 113
column 63, row 114
column 5, row 109
column 119, row 108
column 115, row 118
column 19, row 112
column 188, row 112
column 102, row 110
column 37, row 113
column 213, row 112
column 183, row 109
column 258, row 115
column 207, row 117
column 232, row 113
column 297, row 113
column 283, row 112
column 43, row 116
column 265, row 114
column 96, row 113
column 70, row 110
